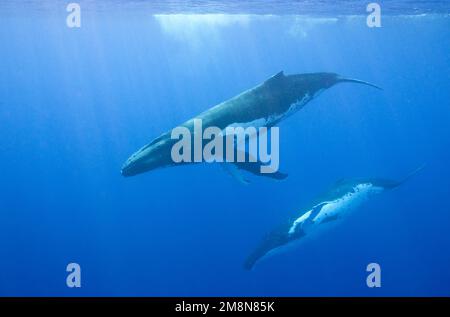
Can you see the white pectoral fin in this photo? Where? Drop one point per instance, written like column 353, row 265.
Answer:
column 316, row 211
column 307, row 219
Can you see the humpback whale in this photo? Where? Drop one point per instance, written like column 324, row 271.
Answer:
column 346, row 195
column 262, row 106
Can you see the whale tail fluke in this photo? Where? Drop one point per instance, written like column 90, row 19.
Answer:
column 412, row 174
column 390, row 184
column 352, row 80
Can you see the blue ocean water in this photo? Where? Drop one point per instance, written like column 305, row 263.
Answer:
column 76, row 102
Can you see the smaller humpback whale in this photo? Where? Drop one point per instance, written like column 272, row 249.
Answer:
column 262, row 106
column 345, row 196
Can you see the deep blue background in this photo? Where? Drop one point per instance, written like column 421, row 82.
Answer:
column 75, row 103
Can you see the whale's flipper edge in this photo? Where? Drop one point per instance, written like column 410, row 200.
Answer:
column 234, row 172
column 252, row 166
column 255, row 169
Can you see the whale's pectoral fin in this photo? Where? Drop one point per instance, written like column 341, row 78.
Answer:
column 254, row 166
column 235, row 173
column 235, row 170
column 314, row 213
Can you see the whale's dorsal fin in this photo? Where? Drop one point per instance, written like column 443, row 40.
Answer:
column 275, row 78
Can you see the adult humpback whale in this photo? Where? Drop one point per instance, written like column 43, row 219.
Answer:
column 343, row 197
column 262, row 106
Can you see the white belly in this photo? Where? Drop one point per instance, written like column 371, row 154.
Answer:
column 337, row 208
